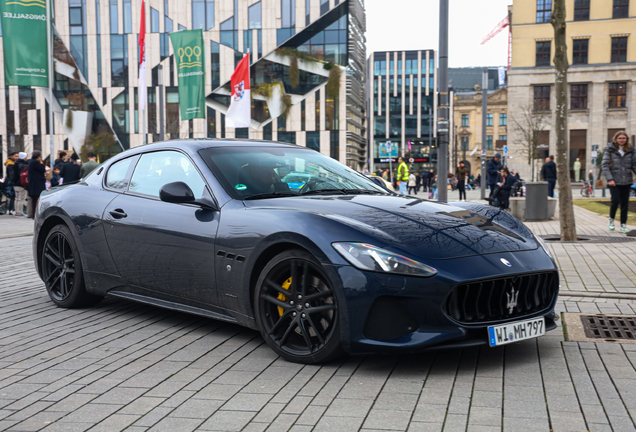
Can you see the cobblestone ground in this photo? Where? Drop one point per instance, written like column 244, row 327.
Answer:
column 125, row 366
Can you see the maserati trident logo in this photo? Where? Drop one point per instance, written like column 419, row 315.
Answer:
column 512, row 300
column 506, row 262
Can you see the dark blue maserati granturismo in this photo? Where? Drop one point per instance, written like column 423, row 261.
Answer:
column 283, row 239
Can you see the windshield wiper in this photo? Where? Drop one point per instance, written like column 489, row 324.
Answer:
column 270, row 195
column 363, row 191
column 324, row 192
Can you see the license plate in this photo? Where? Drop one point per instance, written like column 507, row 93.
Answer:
column 516, row 331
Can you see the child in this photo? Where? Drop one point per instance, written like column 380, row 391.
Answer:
column 55, row 179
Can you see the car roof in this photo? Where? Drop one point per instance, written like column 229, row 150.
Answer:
column 196, row 144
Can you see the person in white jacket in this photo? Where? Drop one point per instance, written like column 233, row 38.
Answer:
column 412, row 184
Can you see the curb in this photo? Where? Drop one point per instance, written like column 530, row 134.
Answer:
column 597, row 295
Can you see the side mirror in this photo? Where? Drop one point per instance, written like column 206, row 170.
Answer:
column 176, row 192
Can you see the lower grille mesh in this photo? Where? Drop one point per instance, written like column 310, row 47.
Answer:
column 494, row 300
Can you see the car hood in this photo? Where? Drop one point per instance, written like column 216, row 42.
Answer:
column 424, row 228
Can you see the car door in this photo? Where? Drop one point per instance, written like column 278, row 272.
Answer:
column 164, row 247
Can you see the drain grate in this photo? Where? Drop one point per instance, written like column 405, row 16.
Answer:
column 600, row 326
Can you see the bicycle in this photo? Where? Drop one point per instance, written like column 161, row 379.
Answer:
column 586, row 190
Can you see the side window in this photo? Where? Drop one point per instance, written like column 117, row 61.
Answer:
column 159, row 168
column 116, row 176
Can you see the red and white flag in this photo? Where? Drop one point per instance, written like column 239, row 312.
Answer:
column 240, row 112
column 142, row 59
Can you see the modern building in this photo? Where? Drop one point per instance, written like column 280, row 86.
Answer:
column 401, row 88
column 467, row 115
column 308, row 75
column 601, row 50
column 466, row 79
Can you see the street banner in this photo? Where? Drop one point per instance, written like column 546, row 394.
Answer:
column 24, row 42
column 240, row 112
column 188, row 49
column 502, row 76
column 142, row 59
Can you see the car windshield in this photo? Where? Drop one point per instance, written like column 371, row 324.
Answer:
column 251, row 172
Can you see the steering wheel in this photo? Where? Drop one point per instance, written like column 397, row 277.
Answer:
column 310, row 185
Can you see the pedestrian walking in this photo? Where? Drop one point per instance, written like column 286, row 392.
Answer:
column 402, row 175
column 492, row 171
column 418, row 182
column 431, row 179
column 412, row 184
column 433, row 194
column 424, row 176
column 505, row 187
column 619, row 162
column 549, row 174
column 92, row 163
column 37, row 180
column 462, row 173
column 9, row 165
column 21, row 193
column 70, row 171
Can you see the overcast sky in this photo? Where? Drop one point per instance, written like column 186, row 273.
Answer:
column 394, row 25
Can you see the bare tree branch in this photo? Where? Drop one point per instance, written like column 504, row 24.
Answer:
column 529, row 127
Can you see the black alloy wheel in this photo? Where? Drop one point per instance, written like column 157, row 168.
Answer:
column 297, row 310
column 62, row 270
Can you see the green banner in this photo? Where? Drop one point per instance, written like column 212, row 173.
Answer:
column 24, row 41
column 188, row 50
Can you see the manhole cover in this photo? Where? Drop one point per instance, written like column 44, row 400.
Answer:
column 590, row 239
column 600, row 328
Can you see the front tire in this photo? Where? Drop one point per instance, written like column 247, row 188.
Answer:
column 296, row 309
column 585, row 192
column 62, row 270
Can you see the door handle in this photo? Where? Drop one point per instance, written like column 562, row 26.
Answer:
column 118, row 214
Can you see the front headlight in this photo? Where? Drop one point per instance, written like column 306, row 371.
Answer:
column 372, row 258
column 544, row 246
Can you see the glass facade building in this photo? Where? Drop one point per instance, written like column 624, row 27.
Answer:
column 308, row 75
column 401, row 91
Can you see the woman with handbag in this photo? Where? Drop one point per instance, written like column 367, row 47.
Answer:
column 619, row 162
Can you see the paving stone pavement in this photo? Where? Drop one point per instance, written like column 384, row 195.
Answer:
column 125, row 366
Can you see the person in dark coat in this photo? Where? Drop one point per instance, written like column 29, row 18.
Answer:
column 619, row 162
column 70, row 171
column 549, row 174
column 507, row 182
column 492, row 171
column 37, row 180
column 62, row 159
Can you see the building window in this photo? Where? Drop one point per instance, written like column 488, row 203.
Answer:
column 489, row 117
column 579, row 53
column 465, row 143
column 307, row 12
column 303, row 112
column 229, row 36
column 488, row 142
column 287, row 137
column 202, row 14
column 544, row 11
column 313, row 140
column 617, row 94
column 334, row 145
column 267, row 132
column 578, row 96
column 167, row 22
column 621, row 9
column 119, row 61
column 127, row 16
column 114, row 28
column 154, row 20
column 324, row 6
column 503, row 137
column 619, row 49
column 215, row 60
column 465, row 120
column 543, row 53
column 541, row 98
column 76, row 17
column 581, row 10
column 288, row 21
column 254, row 14
column 503, row 119
column 318, row 110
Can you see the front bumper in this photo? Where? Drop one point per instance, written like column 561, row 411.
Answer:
column 379, row 306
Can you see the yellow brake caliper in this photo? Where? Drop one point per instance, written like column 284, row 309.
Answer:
column 281, row 296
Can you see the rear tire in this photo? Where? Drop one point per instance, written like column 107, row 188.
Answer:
column 296, row 309
column 62, row 270
column 584, row 192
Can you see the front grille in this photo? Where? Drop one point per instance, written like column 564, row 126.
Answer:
column 493, row 300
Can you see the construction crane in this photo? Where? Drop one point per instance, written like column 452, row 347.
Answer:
column 494, row 32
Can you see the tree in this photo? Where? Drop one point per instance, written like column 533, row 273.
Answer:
column 566, row 210
column 530, row 126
